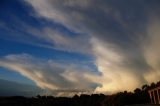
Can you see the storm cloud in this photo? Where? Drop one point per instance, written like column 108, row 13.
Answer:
column 122, row 37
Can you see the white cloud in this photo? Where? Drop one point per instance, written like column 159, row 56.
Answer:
column 78, row 43
column 50, row 75
column 111, row 63
column 53, row 10
column 61, row 41
column 152, row 50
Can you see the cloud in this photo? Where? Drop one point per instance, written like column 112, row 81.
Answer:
column 46, row 37
column 55, row 39
column 117, row 37
column 151, row 49
column 129, row 67
column 119, row 72
column 50, row 75
column 122, row 36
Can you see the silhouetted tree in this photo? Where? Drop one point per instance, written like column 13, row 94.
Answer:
column 139, row 96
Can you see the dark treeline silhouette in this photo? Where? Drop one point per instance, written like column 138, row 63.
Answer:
column 139, row 96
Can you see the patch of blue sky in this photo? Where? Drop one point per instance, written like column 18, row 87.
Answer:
column 9, row 75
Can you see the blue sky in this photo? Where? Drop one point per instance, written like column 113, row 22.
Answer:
column 73, row 46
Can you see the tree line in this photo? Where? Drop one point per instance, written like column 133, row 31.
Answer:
column 138, row 96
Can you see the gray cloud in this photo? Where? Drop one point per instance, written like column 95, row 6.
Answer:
column 122, row 36
column 118, row 32
column 51, row 75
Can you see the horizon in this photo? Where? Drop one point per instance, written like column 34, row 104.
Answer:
column 68, row 47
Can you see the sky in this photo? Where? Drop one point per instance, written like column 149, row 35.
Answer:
column 67, row 47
